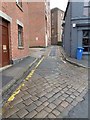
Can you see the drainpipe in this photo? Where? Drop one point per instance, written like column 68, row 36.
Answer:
column 70, row 27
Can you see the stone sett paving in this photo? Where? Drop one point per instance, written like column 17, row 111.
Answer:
column 55, row 88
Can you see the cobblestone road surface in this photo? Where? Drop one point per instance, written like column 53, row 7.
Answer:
column 55, row 89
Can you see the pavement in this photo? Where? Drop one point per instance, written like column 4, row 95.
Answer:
column 37, row 52
column 81, row 110
column 16, row 71
column 81, row 63
column 14, row 74
column 53, row 89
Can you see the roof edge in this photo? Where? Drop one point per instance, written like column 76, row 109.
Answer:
column 66, row 9
column 56, row 8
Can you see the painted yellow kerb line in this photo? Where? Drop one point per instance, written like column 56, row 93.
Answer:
column 39, row 62
column 17, row 91
column 32, row 72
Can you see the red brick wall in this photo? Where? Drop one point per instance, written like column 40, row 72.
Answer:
column 37, row 23
column 12, row 10
column 33, row 19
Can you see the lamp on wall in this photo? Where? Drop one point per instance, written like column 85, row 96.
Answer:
column 74, row 25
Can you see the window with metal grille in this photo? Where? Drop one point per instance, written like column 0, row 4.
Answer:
column 86, row 40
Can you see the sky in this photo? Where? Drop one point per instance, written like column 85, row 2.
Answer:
column 61, row 4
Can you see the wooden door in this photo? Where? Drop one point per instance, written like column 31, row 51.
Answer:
column 4, row 43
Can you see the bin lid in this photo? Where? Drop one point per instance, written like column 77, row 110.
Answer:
column 80, row 48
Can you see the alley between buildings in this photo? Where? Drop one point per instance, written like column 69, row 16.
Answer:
column 54, row 89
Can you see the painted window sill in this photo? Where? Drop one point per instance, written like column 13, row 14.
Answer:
column 20, row 47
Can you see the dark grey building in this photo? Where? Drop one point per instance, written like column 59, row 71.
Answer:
column 57, row 16
column 77, row 28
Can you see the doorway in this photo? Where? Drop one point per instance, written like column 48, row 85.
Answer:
column 4, row 43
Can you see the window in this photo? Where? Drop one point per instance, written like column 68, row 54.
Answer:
column 19, row 2
column 20, row 36
column 52, row 15
column 52, row 31
column 61, row 32
column 86, row 40
column 52, row 21
column 86, row 11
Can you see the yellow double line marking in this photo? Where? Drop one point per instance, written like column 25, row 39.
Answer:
column 32, row 72
column 17, row 91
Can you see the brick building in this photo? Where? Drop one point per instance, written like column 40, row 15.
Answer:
column 56, row 25
column 40, row 23
column 14, row 29
column 18, row 31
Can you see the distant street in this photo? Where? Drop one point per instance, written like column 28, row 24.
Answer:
column 54, row 89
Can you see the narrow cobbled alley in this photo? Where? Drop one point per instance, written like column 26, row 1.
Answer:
column 51, row 90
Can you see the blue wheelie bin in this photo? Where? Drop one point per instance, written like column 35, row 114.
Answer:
column 79, row 53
